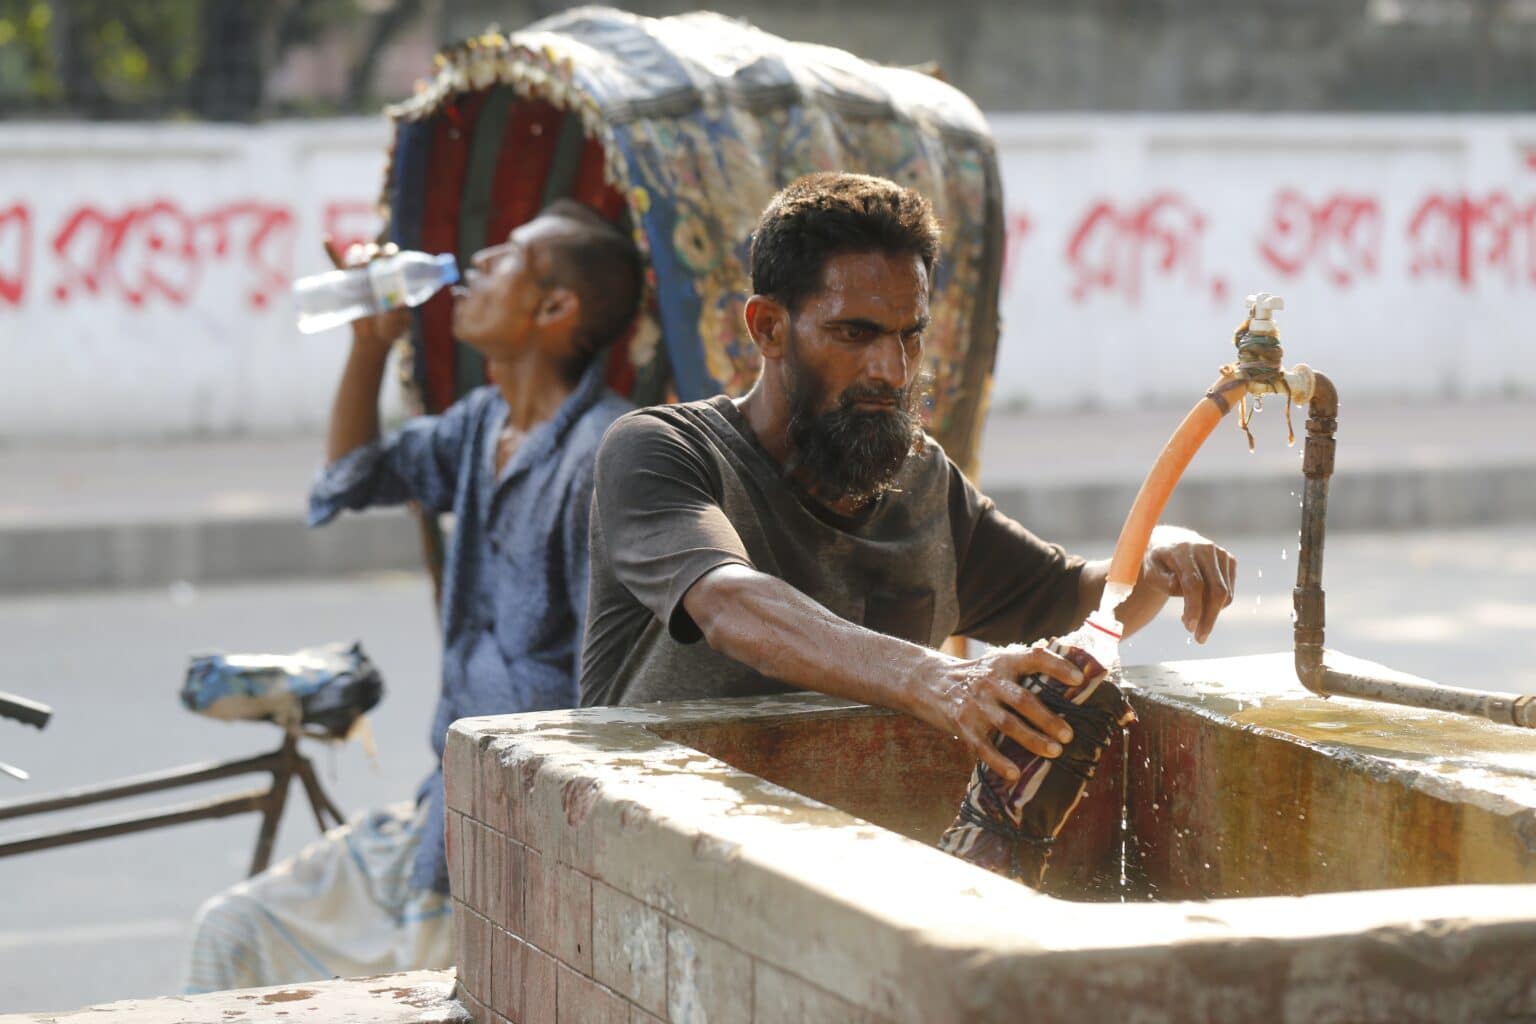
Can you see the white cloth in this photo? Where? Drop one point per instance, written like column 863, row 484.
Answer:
column 343, row 907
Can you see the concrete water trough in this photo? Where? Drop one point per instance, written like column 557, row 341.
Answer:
column 1247, row 852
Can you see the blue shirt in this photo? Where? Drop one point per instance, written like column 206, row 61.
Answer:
column 514, row 594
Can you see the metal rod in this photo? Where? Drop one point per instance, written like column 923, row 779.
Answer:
column 319, row 802
column 223, row 807
column 1312, row 666
column 1505, row 708
column 138, row 785
column 28, row 712
column 272, row 806
column 1317, row 466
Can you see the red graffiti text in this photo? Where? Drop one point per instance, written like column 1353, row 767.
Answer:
column 158, row 250
column 1458, row 236
column 1112, row 248
column 1016, row 232
column 348, row 222
column 1339, row 236
column 15, row 253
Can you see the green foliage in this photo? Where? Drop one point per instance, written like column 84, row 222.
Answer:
column 104, row 56
column 26, row 65
column 137, row 58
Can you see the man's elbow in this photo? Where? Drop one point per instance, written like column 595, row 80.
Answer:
column 714, row 602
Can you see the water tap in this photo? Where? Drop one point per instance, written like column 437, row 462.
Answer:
column 1260, row 357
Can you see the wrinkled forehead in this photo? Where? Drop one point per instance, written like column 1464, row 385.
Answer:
column 887, row 288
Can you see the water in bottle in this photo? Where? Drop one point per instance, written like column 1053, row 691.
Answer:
column 340, row 296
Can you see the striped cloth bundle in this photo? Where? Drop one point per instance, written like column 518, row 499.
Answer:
column 1007, row 827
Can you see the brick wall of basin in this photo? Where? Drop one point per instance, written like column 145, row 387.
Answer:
column 771, row 861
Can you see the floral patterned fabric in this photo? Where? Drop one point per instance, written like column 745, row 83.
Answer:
column 697, row 121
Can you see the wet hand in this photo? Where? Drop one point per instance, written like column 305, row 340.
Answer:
column 973, row 699
column 374, row 332
column 1181, row 563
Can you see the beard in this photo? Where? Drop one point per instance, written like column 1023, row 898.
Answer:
column 845, row 453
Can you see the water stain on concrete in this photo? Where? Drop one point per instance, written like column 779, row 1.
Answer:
column 289, row 995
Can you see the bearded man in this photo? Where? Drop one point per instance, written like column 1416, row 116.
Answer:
column 812, row 536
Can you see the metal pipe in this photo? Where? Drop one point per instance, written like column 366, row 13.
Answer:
column 1313, row 666
column 222, row 807
column 1317, row 467
column 27, row 712
column 284, row 764
column 153, row 782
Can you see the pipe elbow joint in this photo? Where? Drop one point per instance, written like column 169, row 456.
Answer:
column 1324, row 399
column 1309, row 668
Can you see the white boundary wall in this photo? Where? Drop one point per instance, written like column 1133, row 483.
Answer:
column 144, row 273
column 1404, row 247
column 143, row 268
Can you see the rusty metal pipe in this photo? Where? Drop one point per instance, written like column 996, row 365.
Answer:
column 139, row 785
column 219, row 807
column 1317, row 467
column 1313, row 666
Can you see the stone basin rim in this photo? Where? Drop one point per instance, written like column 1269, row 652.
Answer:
column 731, row 814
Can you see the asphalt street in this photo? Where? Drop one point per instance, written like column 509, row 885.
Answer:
column 111, row 919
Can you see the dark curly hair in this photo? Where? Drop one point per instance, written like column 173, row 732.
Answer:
column 820, row 215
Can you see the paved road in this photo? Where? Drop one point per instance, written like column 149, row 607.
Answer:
column 110, row 920
column 231, row 510
column 1417, row 602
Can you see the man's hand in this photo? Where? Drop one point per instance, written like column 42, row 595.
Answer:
column 1181, row 563
column 975, row 698
column 355, row 411
column 375, row 333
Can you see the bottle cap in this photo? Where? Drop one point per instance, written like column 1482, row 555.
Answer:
column 447, row 268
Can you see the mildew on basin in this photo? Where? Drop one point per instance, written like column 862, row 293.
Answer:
column 771, row 860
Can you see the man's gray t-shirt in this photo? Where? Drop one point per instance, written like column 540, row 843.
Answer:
column 684, row 489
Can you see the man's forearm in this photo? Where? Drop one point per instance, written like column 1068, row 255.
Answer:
column 355, row 412
column 768, row 625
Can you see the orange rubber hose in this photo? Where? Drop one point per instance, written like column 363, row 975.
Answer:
column 1157, row 488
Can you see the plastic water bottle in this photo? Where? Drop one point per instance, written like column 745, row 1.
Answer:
column 340, row 296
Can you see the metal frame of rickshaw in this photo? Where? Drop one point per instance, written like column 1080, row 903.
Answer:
column 286, row 765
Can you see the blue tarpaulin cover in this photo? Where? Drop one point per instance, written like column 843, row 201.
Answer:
column 329, row 686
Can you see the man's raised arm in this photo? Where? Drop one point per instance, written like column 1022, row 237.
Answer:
column 355, row 410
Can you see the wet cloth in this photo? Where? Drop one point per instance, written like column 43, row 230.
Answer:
column 343, row 907
column 514, row 591
column 685, row 489
column 1008, row 828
